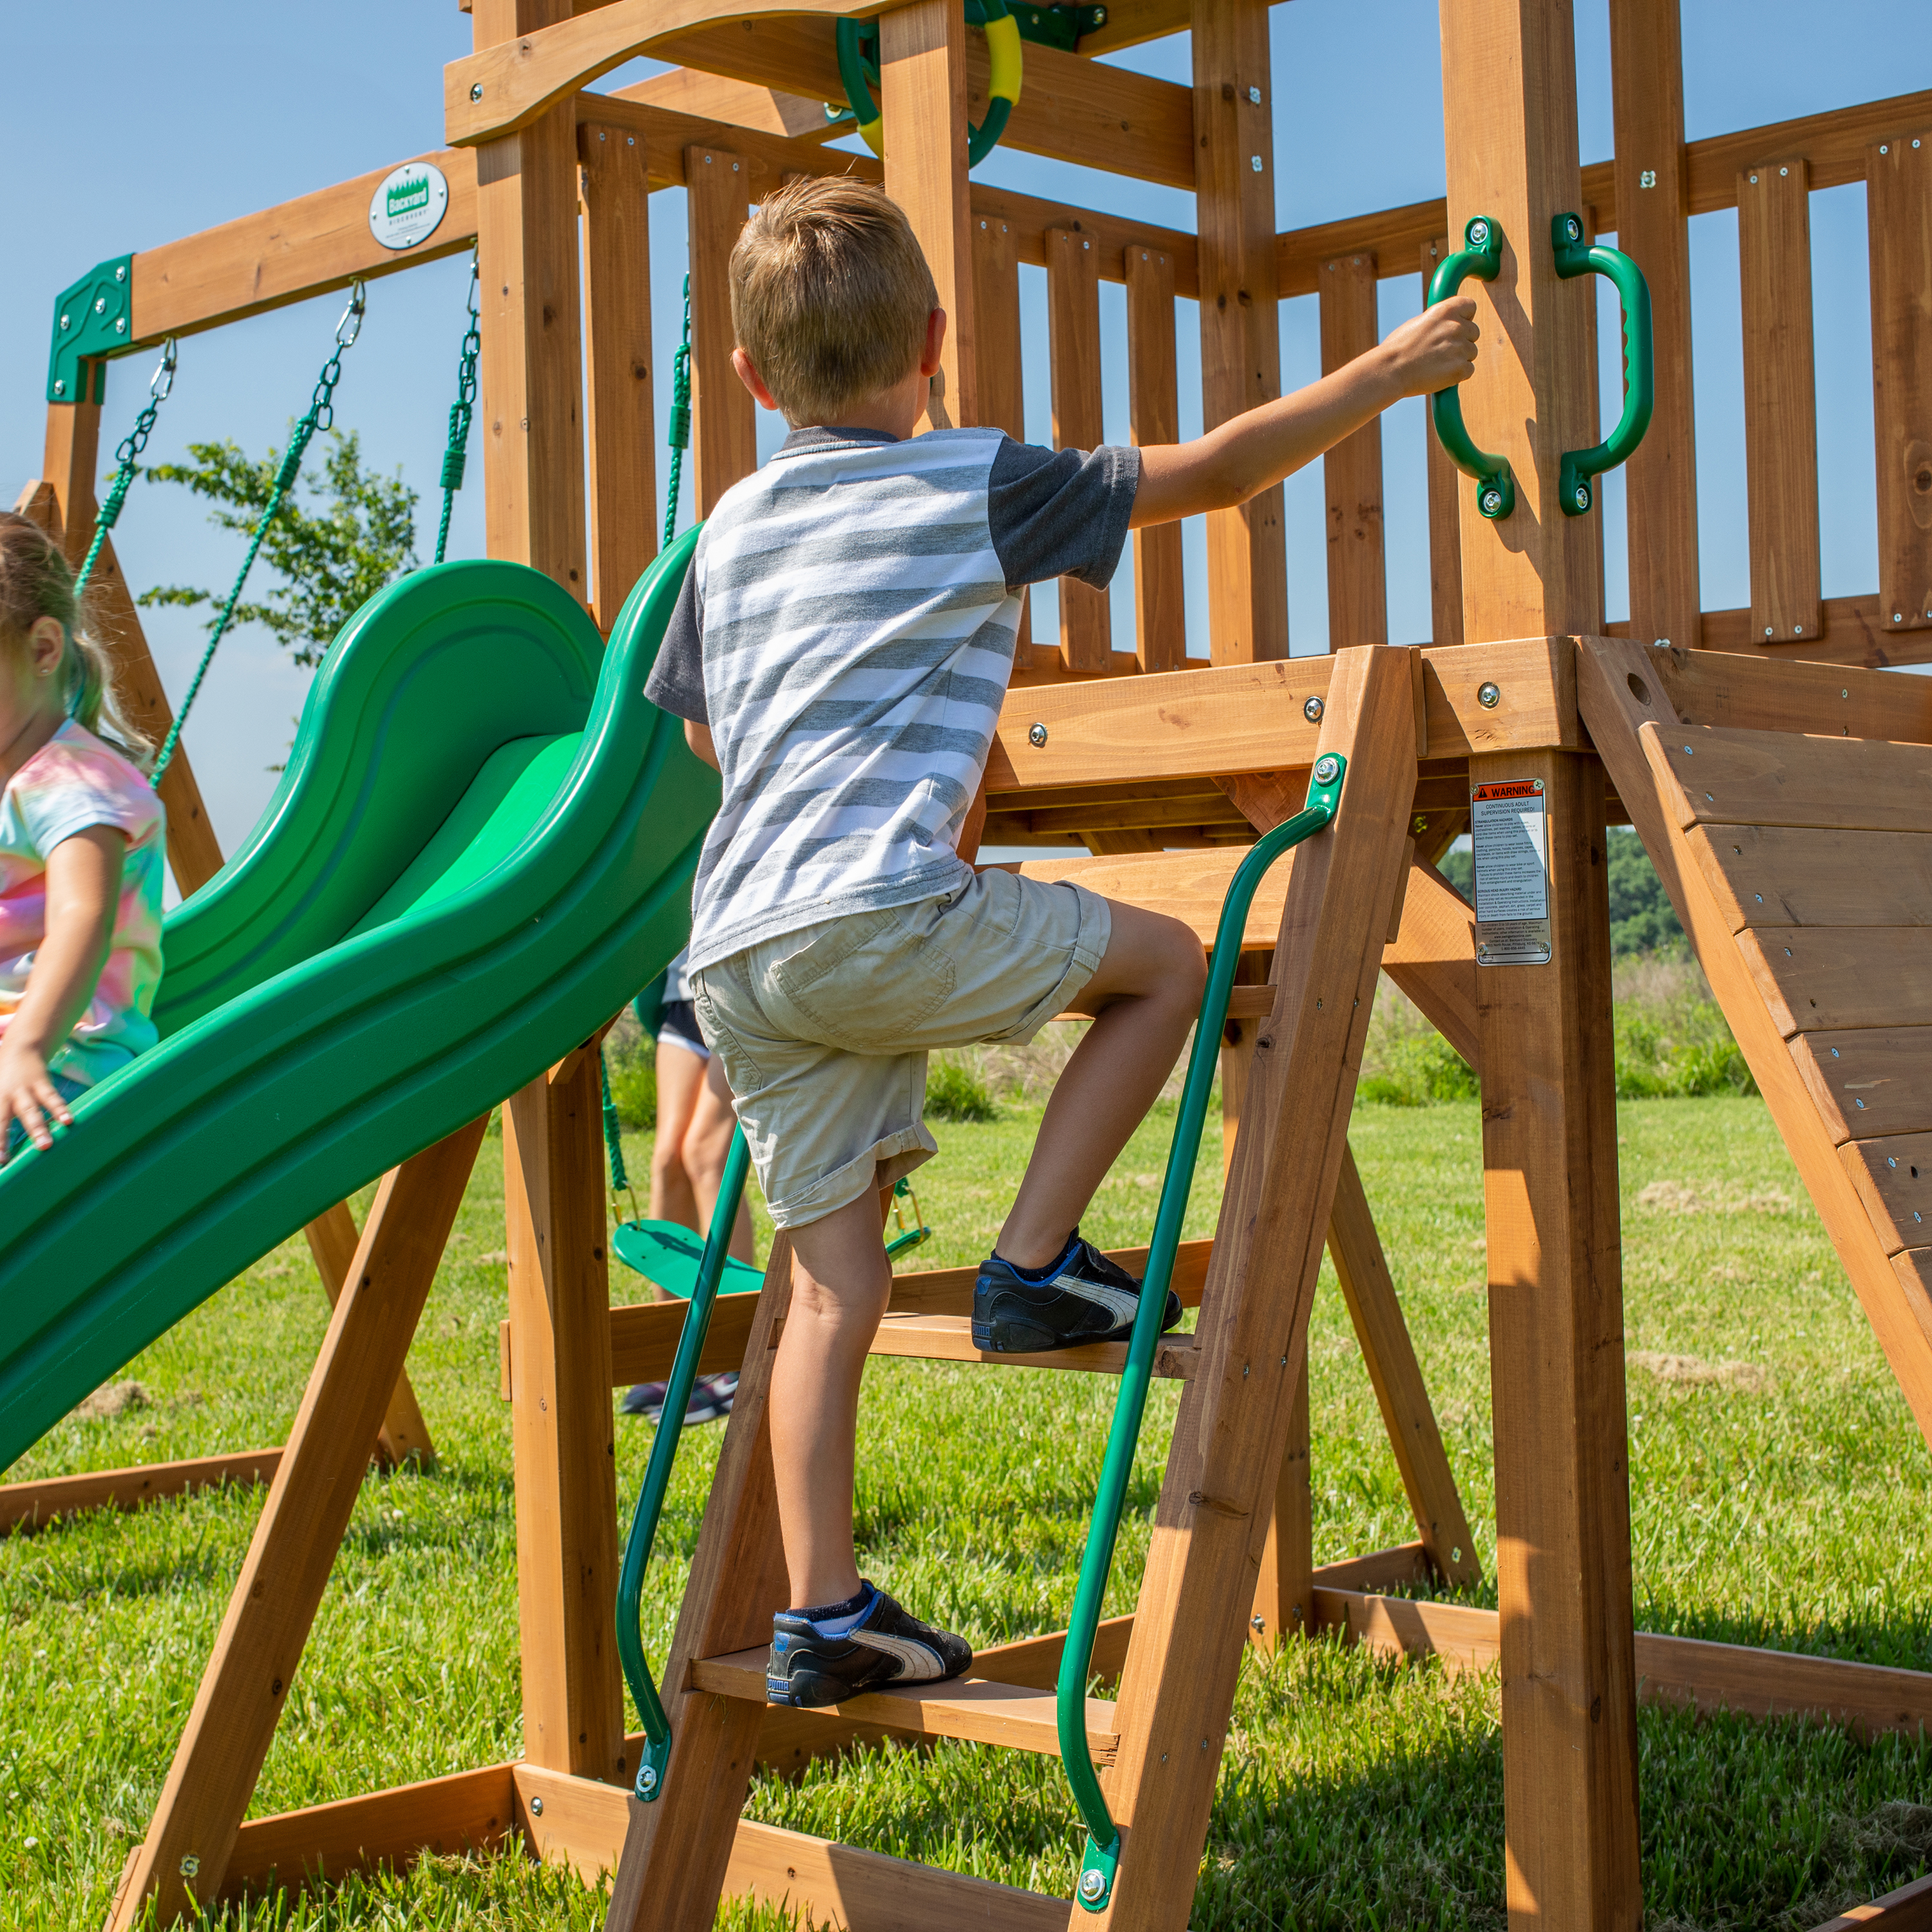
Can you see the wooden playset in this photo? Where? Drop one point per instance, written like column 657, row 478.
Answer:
column 1780, row 780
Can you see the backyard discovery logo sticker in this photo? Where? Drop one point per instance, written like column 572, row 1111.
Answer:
column 408, row 205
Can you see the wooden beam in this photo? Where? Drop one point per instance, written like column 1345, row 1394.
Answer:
column 1445, row 508
column 1352, row 471
column 26, row 1506
column 193, row 1831
column 1833, row 143
column 1241, row 341
column 1432, row 958
column 1898, row 204
column 1153, row 416
column 1073, row 335
column 1653, row 228
column 1851, row 630
column 1780, row 399
column 922, row 98
column 739, row 103
column 725, row 441
column 622, row 421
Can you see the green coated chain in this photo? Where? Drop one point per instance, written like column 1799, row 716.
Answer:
column 613, row 1145
column 680, row 419
column 455, row 457
column 321, row 415
column 128, row 456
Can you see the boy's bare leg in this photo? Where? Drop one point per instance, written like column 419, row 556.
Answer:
column 707, row 1140
column 680, row 1082
column 1144, row 997
column 841, row 1283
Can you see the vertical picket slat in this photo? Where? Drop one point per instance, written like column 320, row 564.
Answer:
column 1780, row 399
column 996, row 315
column 724, row 429
column 1073, row 317
column 1352, row 471
column 1898, row 203
column 1445, row 503
column 1154, row 410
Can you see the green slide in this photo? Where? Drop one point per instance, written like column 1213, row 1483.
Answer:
column 482, row 847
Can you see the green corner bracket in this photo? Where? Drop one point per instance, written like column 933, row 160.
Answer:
column 1574, row 257
column 93, row 319
column 1481, row 255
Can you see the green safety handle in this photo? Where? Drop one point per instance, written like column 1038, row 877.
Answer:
column 1575, row 256
column 1481, row 255
column 857, row 44
column 1102, row 1856
column 655, row 1755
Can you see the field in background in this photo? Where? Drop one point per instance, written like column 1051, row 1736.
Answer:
column 1778, row 1492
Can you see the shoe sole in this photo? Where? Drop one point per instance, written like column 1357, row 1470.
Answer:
column 1006, row 1336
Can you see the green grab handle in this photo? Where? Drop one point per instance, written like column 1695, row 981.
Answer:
column 653, row 1761
column 1481, row 255
column 1098, row 1862
column 1574, row 257
column 858, row 69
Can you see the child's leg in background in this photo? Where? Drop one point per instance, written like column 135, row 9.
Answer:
column 707, row 1140
column 1145, row 994
column 681, row 1074
column 841, row 1283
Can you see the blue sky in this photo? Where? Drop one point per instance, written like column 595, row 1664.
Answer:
column 172, row 121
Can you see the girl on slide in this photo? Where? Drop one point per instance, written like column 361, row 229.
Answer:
column 81, row 849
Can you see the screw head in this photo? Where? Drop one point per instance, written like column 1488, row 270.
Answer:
column 1255, row 97
column 100, row 304
column 60, row 385
column 1328, row 769
column 1478, row 236
column 121, row 273
column 63, row 322
column 120, row 325
column 476, row 92
column 536, row 1807
column 1259, row 1623
column 1036, row 734
column 1311, row 711
column 1490, row 501
column 1583, row 498
column 1574, row 229
column 647, row 1778
column 189, row 1864
column 1093, row 1885
column 1255, row 162
column 1488, row 696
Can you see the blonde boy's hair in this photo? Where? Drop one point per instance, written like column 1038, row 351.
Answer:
column 829, row 295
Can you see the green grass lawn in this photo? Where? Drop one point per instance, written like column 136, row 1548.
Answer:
column 1779, row 1492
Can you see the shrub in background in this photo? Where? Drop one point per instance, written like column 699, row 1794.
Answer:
column 631, row 1060
column 955, row 1093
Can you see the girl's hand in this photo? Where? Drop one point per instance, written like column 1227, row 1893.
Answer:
column 28, row 1095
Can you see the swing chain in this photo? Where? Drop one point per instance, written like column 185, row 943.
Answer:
column 680, row 419
column 128, row 456
column 321, row 415
column 613, row 1145
column 462, row 411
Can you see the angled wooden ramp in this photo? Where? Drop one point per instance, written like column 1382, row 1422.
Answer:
column 1800, row 863
column 1161, row 1739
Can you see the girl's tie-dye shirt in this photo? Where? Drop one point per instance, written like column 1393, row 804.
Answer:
column 72, row 782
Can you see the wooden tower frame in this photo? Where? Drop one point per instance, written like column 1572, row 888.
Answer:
column 1160, row 770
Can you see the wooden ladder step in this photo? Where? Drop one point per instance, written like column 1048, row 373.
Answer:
column 984, row 1713
column 949, row 1338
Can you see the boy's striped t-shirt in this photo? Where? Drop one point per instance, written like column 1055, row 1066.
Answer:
column 847, row 631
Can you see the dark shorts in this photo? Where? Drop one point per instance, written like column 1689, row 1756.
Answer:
column 677, row 1025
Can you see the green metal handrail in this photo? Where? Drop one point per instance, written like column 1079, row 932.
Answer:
column 1098, row 1863
column 1481, row 255
column 656, row 1752
column 1575, row 256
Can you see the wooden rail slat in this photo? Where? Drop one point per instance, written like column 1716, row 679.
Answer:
column 1814, row 980
column 1773, row 876
column 999, row 360
column 724, row 432
column 1894, row 1178
column 1780, row 402
column 1898, row 212
column 26, row 1506
column 1352, row 471
column 1153, row 414
column 1073, row 320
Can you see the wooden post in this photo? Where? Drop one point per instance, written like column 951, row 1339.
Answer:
column 1352, row 470
column 1445, row 508
column 922, row 99
column 1898, row 201
column 191, row 1835
column 562, row 1424
column 622, row 442
column 1653, row 192
column 1073, row 335
column 1543, row 1031
column 725, row 431
column 998, row 361
column 1241, row 343
column 1780, row 399
column 1153, row 416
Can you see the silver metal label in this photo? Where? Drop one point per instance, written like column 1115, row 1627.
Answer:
column 1507, row 828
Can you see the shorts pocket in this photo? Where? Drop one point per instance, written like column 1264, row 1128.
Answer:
column 741, row 1070
column 865, row 983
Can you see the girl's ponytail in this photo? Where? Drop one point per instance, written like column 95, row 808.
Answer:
column 34, row 583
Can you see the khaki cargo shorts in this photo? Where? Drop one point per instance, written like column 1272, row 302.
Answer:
column 824, row 1032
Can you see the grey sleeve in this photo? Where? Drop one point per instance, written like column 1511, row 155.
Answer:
column 1060, row 512
column 677, row 681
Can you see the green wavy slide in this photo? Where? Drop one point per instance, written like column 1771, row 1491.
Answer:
column 482, row 847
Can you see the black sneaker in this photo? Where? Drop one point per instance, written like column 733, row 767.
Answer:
column 1087, row 1299
column 711, row 1399
column 884, row 1647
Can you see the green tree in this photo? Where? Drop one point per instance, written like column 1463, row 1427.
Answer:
column 358, row 534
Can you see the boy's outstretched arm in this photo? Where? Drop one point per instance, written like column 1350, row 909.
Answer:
column 1259, row 447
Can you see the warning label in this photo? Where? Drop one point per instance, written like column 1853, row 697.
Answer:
column 1507, row 827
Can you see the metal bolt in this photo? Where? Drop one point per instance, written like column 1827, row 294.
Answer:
column 1883, row 149
column 1769, row 632
column 1582, row 496
column 1574, row 229
column 1479, row 235
column 121, row 273
column 647, row 1779
column 120, row 325
column 1798, row 630
column 63, row 322
column 476, row 92
column 1311, row 711
column 1845, row 694
column 1898, row 616
column 1488, row 696
column 100, row 305
column 1255, row 96
column 1491, row 501
column 1784, row 171
column 1093, row 1885
column 1036, row 734
column 1753, row 181
column 1259, row 1623
column 1255, row 162
column 1648, row 179
column 536, row 1807
column 1328, row 769
column 189, row 1864
column 60, row 386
